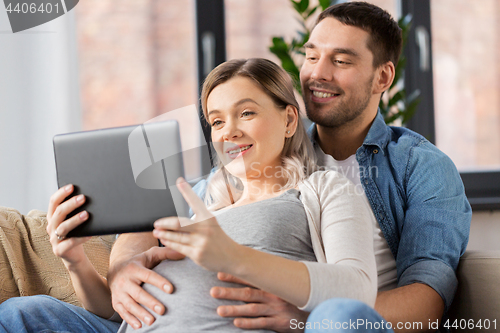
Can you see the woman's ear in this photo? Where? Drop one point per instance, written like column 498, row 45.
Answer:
column 384, row 77
column 292, row 115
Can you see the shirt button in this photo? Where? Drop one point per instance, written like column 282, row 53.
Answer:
column 366, row 181
column 375, row 151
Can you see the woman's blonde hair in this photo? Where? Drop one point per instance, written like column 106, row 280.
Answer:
column 298, row 159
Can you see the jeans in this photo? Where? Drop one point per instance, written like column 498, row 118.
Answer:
column 46, row 314
column 345, row 315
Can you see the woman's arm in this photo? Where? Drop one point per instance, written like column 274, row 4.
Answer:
column 90, row 288
column 285, row 278
column 206, row 244
column 346, row 232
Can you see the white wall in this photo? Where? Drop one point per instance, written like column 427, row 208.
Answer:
column 38, row 98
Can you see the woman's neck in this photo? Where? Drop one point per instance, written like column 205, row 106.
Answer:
column 256, row 189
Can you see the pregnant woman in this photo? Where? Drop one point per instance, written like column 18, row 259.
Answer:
column 268, row 218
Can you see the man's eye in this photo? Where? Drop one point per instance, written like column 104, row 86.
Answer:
column 340, row 62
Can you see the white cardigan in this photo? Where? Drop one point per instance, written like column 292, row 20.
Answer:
column 341, row 227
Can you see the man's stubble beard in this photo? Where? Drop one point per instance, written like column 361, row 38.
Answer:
column 343, row 113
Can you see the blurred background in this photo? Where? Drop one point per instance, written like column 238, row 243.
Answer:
column 113, row 63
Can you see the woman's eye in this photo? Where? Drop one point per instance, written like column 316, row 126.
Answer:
column 216, row 123
column 247, row 113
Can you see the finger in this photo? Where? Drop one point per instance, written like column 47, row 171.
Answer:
column 65, row 227
column 244, row 310
column 174, row 236
column 127, row 316
column 127, row 290
column 173, row 255
column 246, row 294
column 157, row 254
column 57, row 198
column 231, row 278
column 136, row 296
column 64, row 209
column 269, row 323
column 60, row 247
column 193, row 200
column 181, row 248
column 145, row 275
column 168, row 223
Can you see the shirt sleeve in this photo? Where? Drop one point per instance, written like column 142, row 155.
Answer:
column 437, row 222
column 347, row 236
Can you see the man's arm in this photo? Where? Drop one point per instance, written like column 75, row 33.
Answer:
column 131, row 260
column 414, row 303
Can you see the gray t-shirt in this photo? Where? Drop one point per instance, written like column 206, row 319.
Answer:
column 277, row 226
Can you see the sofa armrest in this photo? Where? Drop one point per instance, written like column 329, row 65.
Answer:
column 478, row 293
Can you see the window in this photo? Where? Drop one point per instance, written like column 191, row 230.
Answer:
column 137, row 61
column 453, row 52
column 465, row 42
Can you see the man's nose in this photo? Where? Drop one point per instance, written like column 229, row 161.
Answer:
column 323, row 70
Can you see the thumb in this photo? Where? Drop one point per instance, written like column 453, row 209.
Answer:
column 231, row 278
column 173, row 255
column 158, row 254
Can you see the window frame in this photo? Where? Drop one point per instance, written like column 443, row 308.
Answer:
column 210, row 20
column 481, row 187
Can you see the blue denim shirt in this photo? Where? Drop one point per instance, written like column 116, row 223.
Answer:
column 418, row 198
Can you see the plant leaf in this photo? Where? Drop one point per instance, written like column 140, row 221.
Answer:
column 325, row 4
column 399, row 96
column 311, row 12
column 304, row 4
column 296, row 5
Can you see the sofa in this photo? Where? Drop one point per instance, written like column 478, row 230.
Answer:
column 27, row 264
column 29, row 267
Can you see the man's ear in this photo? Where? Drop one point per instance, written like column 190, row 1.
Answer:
column 292, row 115
column 383, row 78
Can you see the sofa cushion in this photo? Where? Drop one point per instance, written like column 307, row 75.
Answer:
column 27, row 264
column 478, row 293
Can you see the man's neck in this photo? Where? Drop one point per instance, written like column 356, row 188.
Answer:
column 344, row 141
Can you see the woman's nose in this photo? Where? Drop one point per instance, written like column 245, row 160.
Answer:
column 231, row 131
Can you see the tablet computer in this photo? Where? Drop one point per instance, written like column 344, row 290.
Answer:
column 127, row 174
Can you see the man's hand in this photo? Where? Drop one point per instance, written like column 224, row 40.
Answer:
column 266, row 310
column 125, row 280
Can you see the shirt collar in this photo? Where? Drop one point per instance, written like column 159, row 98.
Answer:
column 377, row 134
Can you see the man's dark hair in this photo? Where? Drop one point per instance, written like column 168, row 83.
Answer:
column 385, row 35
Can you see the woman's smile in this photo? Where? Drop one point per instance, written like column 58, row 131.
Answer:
column 237, row 151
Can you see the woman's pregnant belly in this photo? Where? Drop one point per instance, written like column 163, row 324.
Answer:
column 190, row 308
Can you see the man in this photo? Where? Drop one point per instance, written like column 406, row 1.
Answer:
column 414, row 189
